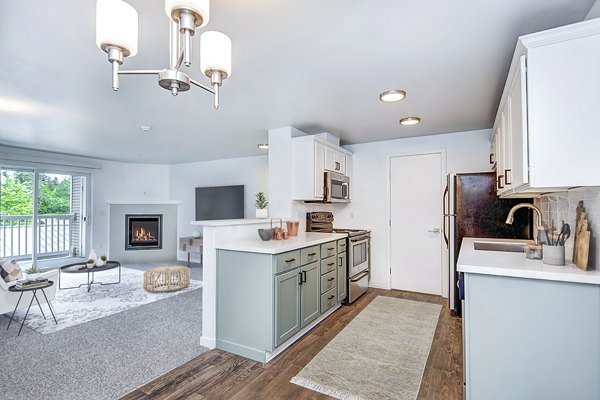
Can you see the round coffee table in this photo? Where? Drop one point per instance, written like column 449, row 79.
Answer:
column 22, row 290
column 79, row 268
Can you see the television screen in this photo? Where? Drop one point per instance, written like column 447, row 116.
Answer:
column 219, row 202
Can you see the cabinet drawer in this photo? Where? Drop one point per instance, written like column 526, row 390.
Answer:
column 328, row 281
column 341, row 245
column 309, row 254
column 286, row 261
column 328, row 249
column 328, row 300
column 327, row 265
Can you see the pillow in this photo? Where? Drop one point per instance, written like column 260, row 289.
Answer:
column 10, row 270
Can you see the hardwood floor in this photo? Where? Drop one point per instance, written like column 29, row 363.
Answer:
column 220, row 375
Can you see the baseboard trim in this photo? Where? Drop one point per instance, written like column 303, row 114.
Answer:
column 209, row 343
column 379, row 285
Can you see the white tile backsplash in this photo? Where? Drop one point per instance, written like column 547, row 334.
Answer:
column 562, row 206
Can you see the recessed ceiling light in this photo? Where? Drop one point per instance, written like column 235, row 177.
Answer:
column 410, row 121
column 145, row 128
column 263, row 146
column 390, row 96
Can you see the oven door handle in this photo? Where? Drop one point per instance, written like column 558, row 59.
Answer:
column 360, row 240
column 358, row 278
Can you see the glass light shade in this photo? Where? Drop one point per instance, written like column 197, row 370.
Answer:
column 215, row 52
column 200, row 7
column 117, row 25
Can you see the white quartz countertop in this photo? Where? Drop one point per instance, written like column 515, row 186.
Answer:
column 516, row 265
column 280, row 246
column 231, row 222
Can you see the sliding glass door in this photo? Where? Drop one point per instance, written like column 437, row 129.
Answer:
column 42, row 214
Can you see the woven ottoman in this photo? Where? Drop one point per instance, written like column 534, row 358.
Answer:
column 166, row 279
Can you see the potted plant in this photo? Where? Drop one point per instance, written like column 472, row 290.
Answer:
column 90, row 263
column 261, row 204
column 101, row 261
column 33, row 273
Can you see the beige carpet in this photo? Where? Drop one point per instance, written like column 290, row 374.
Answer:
column 381, row 354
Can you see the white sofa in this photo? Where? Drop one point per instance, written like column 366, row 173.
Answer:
column 8, row 300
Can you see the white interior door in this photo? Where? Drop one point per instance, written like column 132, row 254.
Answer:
column 416, row 215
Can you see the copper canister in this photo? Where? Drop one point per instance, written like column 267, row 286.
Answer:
column 292, row 227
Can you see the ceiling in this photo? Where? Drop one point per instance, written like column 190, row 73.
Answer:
column 312, row 64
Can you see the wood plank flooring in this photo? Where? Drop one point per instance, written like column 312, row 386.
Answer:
column 220, row 375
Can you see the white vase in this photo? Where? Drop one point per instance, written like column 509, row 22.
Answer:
column 90, row 265
column 100, row 262
column 262, row 213
column 196, row 234
column 33, row 277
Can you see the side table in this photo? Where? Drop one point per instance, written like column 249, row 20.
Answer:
column 34, row 296
column 191, row 245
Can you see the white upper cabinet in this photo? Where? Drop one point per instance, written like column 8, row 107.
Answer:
column 312, row 157
column 546, row 131
column 335, row 160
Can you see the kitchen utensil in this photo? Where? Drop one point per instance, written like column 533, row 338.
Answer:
column 265, row 233
column 563, row 235
column 567, row 233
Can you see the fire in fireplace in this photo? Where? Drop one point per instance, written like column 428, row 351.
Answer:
column 143, row 231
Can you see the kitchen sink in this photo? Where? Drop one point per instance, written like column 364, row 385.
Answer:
column 500, row 246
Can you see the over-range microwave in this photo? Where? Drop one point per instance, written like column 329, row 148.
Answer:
column 337, row 187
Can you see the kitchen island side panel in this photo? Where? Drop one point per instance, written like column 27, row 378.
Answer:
column 531, row 339
column 245, row 303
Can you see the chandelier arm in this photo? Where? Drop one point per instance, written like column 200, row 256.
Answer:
column 140, row 72
column 201, row 86
column 179, row 61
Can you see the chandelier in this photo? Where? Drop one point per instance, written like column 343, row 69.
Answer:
column 117, row 35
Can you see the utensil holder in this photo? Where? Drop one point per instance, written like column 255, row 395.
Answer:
column 554, row 255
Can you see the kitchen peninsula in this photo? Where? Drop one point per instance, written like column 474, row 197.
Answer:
column 530, row 330
column 271, row 293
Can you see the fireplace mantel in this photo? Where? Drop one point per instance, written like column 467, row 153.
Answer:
column 129, row 202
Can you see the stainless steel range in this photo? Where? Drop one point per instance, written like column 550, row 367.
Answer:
column 359, row 251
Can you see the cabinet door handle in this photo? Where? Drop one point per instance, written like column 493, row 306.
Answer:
column 330, row 264
column 330, row 279
column 299, row 278
column 500, row 185
column 492, row 158
column 337, row 166
column 330, row 248
column 290, row 260
column 506, row 181
column 304, row 276
column 330, row 297
column 312, row 254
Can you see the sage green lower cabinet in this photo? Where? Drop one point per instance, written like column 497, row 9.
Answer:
column 287, row 305
column 309, row 294
column 342, row 278
column 264, row 301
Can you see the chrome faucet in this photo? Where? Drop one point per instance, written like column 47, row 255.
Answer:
column 538, row 213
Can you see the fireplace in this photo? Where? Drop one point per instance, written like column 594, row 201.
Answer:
column 143, row 231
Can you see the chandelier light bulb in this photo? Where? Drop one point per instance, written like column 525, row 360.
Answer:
column 215, row 53
column 200, row 8
column 117, row 26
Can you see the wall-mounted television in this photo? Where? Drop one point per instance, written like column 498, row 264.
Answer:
column 219, row 202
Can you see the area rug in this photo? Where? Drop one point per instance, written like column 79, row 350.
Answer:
column 381, row 354
column 76, row 306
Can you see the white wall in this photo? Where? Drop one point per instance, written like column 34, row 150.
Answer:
column 465, row 152
column 594, row 11
column 184, row 178
column 118, row 181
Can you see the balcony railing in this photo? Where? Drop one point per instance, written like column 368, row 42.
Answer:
column 16, row 235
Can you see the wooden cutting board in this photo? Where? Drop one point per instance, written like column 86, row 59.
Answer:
column 581, row 248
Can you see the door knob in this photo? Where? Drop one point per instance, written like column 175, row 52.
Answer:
column 434, row 230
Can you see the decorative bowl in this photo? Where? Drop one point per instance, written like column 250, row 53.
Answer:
column 266, row 234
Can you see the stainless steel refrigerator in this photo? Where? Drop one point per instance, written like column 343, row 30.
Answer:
column 472, row 209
